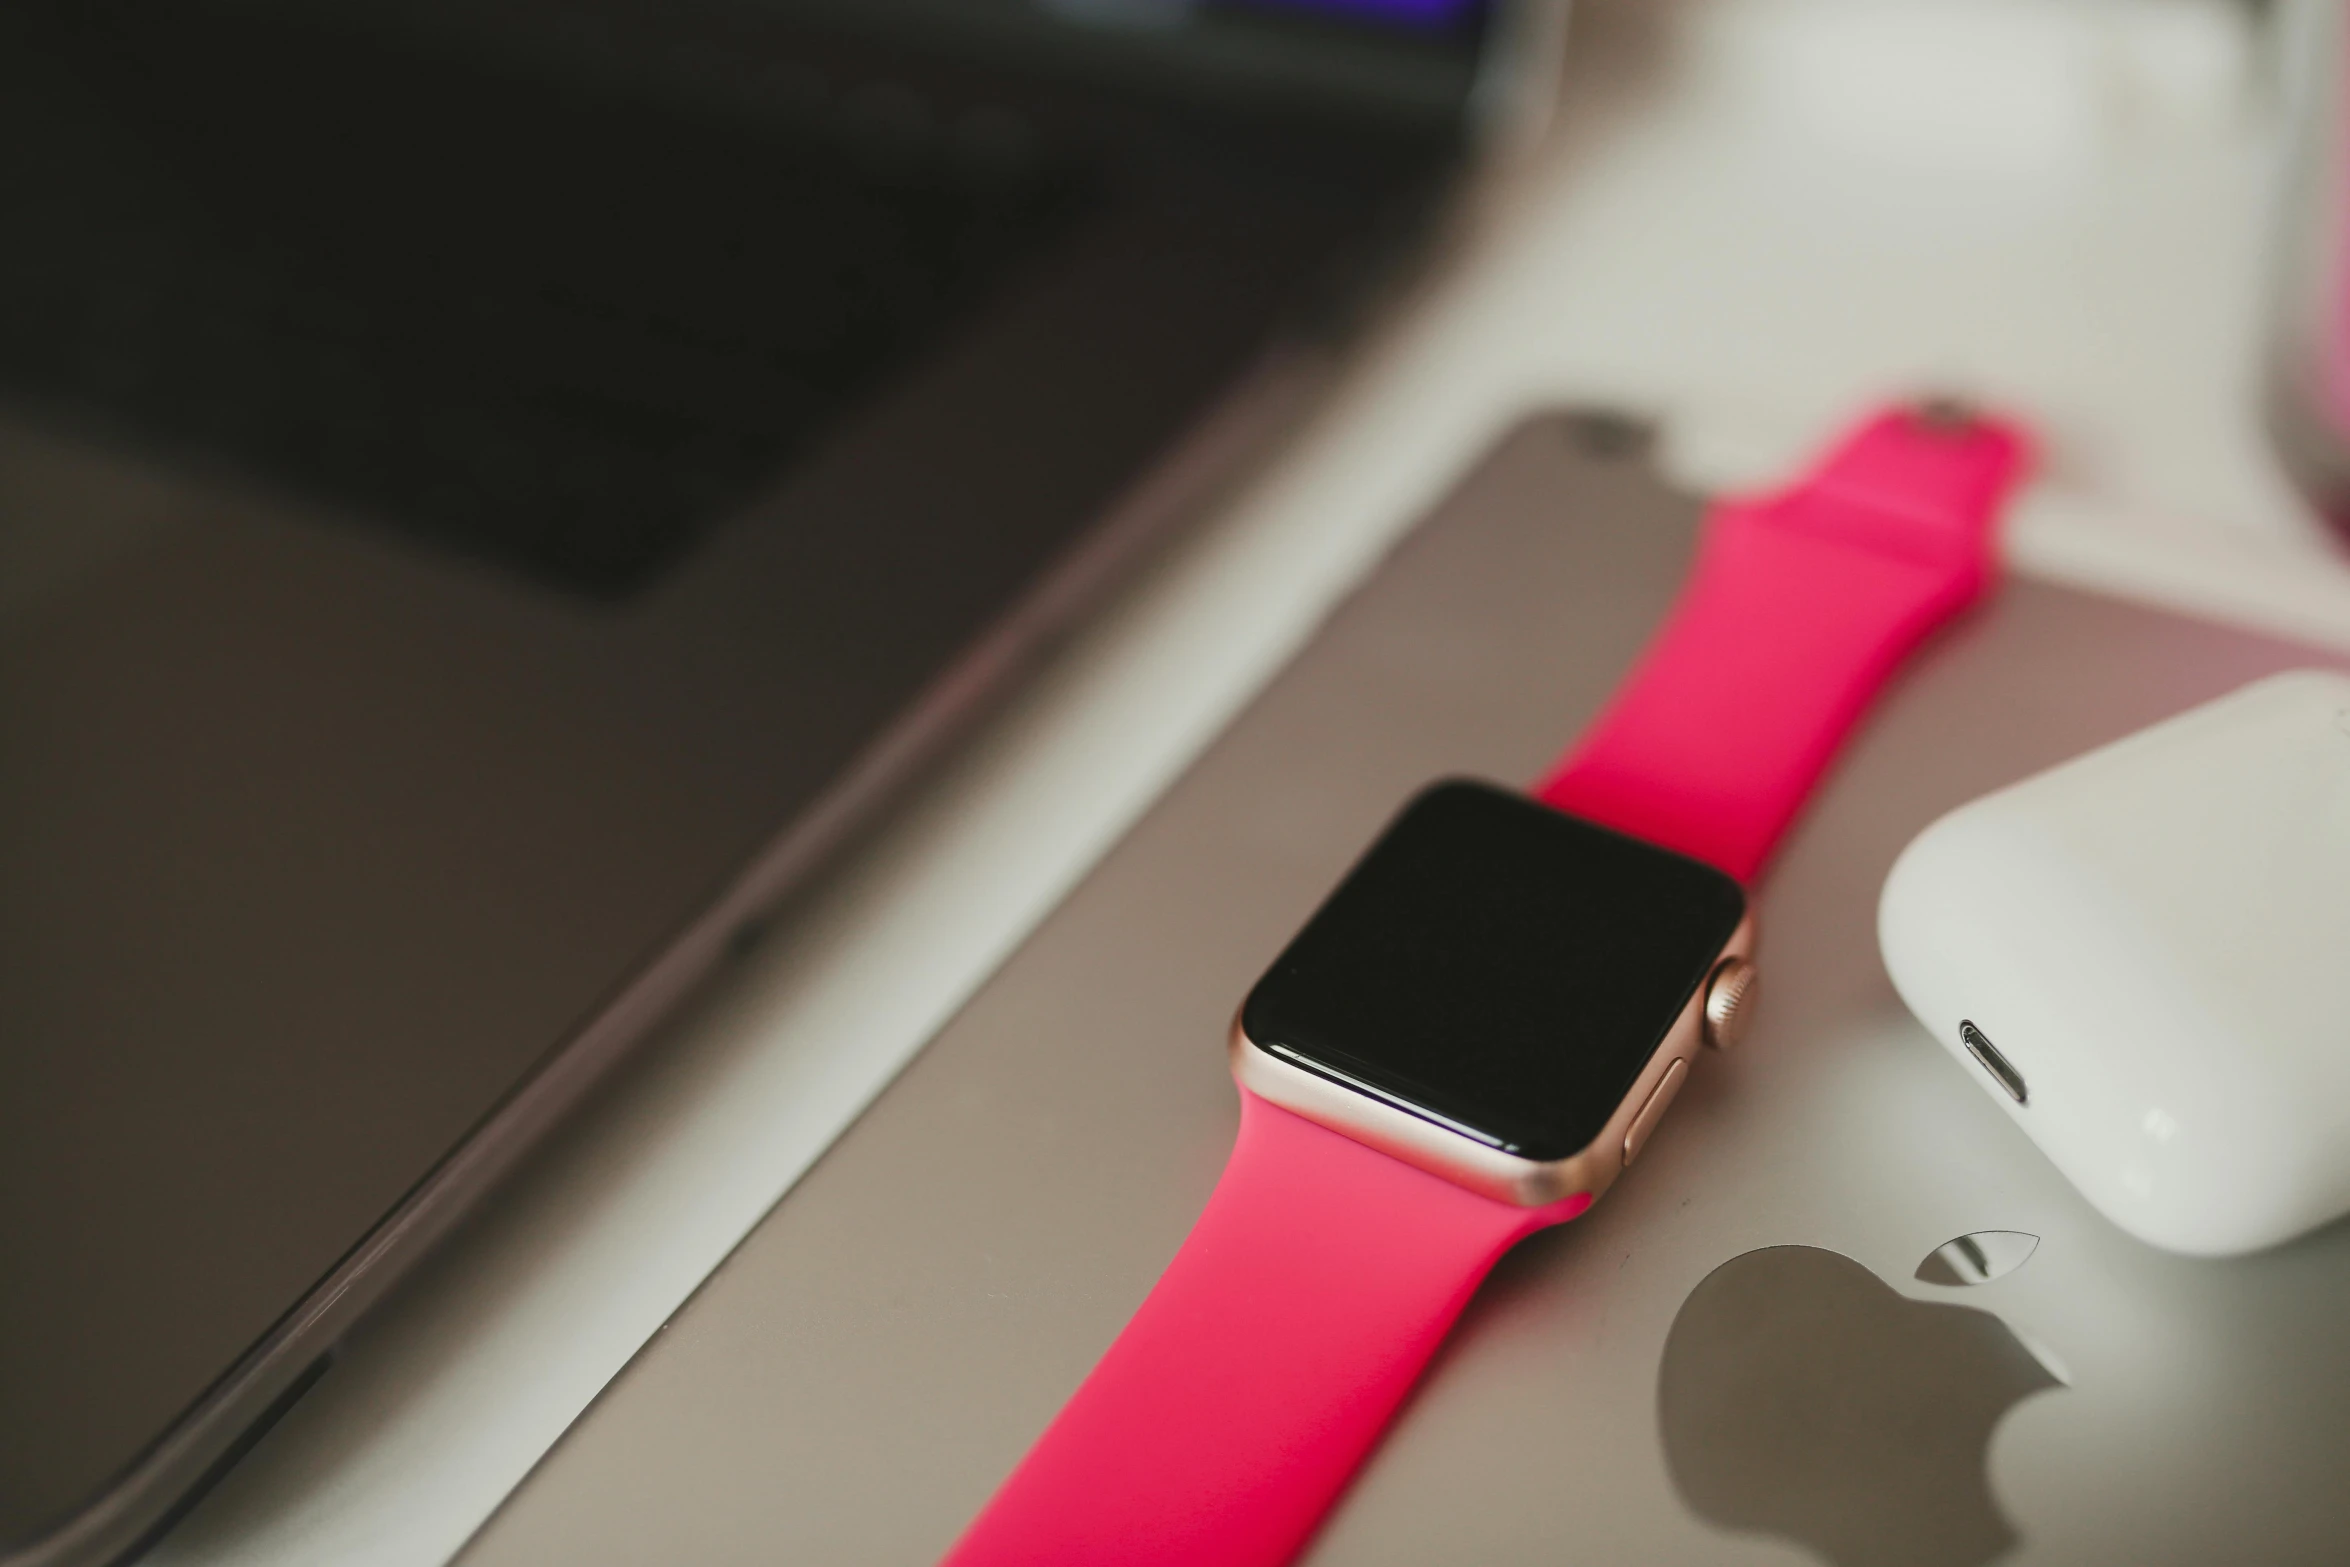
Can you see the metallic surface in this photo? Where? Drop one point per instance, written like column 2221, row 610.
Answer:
column 1801, row 1397
column 1729, row 1002
column 869, row 1364
column 2011, row 1082
column 1978, row 1258
column 1660, row 1099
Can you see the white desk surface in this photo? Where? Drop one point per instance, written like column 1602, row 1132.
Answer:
column 1751, row 218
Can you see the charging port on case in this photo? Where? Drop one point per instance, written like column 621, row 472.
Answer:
column 2002, row 1071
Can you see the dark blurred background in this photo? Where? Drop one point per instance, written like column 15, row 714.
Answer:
column 492, row 497
column 560, row 285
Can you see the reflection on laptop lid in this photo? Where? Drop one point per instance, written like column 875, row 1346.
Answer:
column 489, row 496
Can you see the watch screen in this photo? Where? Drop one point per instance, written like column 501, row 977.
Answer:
column 1497, row 966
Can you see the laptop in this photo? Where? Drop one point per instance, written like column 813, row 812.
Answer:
column 492, row 496
column 1969, row 1364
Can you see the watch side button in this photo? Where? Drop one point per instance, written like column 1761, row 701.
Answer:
column 1729, row 1001
column 1660, row 1099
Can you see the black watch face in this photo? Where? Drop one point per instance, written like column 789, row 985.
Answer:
column 1497, row 966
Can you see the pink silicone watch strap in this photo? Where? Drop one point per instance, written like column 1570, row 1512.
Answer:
column 1227, row 1417
column 1230, row 1413
column 1798, row 607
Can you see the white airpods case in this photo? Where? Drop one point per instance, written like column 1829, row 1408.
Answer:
column 2144, row 956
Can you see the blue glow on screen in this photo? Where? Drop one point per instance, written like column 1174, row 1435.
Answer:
column 1411, row 13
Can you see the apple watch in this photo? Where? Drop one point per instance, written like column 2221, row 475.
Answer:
column 1480, row 1028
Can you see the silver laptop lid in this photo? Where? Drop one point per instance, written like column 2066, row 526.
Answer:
column 872, row 1361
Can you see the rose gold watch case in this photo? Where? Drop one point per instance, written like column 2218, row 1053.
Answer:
column 1455, row 1155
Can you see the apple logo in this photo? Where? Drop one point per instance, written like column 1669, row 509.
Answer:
column 1801, row 1396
